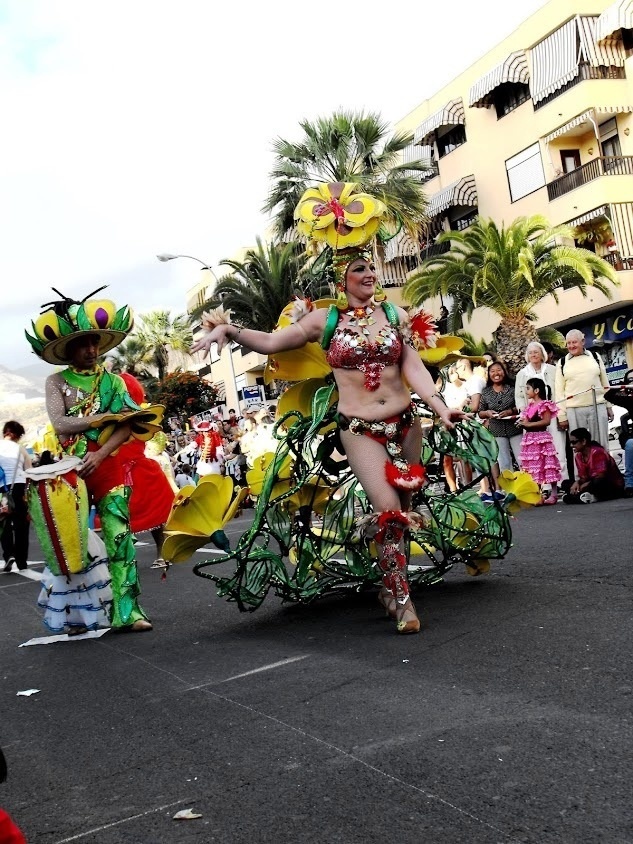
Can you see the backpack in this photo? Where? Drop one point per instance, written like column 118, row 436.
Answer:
column 333, row 314
column 596, row 357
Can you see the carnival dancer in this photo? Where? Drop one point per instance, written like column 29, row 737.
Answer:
column 370, row 349
column 89, row 407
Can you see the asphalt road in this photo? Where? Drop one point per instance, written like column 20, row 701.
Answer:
column 508, row 719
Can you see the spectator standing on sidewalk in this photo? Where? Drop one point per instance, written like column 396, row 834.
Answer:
column 581, row 382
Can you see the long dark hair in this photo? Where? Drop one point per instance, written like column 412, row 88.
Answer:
column 544, row 391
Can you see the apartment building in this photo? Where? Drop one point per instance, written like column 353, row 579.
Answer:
column 541, row 124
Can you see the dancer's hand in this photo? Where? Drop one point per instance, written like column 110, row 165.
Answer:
column 90, row 463
column 219, row 335
column 450, row 415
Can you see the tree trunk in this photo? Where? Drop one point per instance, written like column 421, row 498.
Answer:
column 512, row 338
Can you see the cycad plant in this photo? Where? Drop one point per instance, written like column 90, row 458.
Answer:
column 508, row 270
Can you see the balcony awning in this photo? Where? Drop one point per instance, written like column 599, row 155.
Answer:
column 603, row 211
column 461, row 192
column 609, row 53
column 622, row 227
column 555, row 59
column 586, row 116
column 401, row 245
column 615, row 17
column 451, row 115
column 513, row 69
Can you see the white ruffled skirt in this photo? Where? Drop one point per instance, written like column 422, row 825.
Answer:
column 82, row 600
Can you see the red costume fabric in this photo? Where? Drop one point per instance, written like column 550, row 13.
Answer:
column 152, row 496
column 9, row 832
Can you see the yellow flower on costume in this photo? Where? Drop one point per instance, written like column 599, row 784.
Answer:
column 521, row 490
column 334, row 214
column 444, row 351
column 145, row 423
column 299, row 364
column 255, row 476
column 299, row 398
column 197, row 513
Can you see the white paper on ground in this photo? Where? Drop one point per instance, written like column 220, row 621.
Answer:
column 64, row 637
column 27, row 693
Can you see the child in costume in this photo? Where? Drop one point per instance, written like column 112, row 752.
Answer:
column 538, row 453
column 93, row 415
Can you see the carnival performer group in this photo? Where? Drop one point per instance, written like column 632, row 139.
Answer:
column 93, row 415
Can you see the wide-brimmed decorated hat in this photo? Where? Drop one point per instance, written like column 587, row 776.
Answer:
column 65, row 320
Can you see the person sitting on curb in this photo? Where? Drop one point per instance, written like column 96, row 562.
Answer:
column 597, row 476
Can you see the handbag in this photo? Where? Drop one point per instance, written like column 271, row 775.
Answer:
column 7, row 502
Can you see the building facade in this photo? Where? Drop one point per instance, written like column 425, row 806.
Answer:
column 541, row 124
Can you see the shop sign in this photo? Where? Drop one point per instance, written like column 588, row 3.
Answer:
column 609, row 328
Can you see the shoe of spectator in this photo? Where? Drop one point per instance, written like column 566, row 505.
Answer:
column 486, row 497
column 568, row 498
column 587, row 498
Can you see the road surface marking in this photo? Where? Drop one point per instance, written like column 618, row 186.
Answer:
column 248, row 673
column 123, row 820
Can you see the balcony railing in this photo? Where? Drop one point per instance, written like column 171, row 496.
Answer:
column 618, row 262
column 585, row 71
column 608, row 165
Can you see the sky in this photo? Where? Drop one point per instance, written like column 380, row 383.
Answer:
column 138, row 127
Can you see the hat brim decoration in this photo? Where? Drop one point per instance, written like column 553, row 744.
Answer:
column 52, row 331
column 339, row 215
column 144, row 424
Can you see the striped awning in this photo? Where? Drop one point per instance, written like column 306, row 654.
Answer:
column 451, row 115
column 401, row 245
column 513, row 69
column 591, row 115
column 622, row 227
column 415, row 152
column 603, row 211
column 609, row 53
column 615, row 17
column 555, row 59
column 461, row 192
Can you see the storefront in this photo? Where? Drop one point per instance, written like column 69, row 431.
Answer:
column 611, row 335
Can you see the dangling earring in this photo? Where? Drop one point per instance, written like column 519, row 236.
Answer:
column 379, row 292
column 341, row 298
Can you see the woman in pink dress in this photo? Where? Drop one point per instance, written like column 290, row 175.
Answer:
column 538, row 452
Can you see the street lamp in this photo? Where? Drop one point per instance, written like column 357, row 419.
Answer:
column 167, row 256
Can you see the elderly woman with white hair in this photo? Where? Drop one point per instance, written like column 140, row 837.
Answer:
column 537, row 367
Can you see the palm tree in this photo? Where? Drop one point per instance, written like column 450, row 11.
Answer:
column 132, row 355
column 508, row 270
column 348, row 147
column 260, row 286
column 160, row 333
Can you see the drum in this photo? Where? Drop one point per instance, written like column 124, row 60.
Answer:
column 58, row 506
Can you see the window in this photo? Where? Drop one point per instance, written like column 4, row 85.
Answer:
column 450, row 140
column 509, row 96
column 609, row 138
column 525, row 172
column 464, row 222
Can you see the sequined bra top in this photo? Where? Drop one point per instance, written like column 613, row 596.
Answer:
column 349, row 350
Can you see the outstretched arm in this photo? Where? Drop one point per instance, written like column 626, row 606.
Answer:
column 307, row 330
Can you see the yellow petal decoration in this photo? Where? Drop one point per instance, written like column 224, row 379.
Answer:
column 255, row 476
column 145, row 423
column 197, row 512
column 299, row 364
column 299, row 398
column 476, row 567
column 335, row 214
column 444, row 352
column 521, row 490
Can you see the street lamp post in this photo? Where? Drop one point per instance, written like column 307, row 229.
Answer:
column 167, row 256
